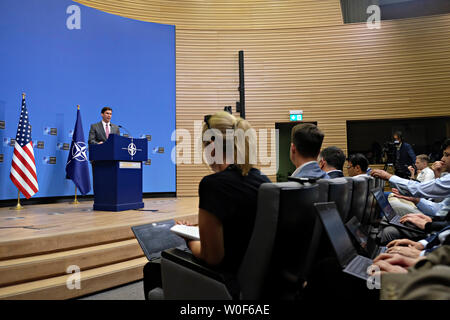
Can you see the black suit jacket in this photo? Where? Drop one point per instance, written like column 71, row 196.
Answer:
column 97, row 132
column 404, row 157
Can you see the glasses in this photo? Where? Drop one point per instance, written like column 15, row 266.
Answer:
column 206, row 120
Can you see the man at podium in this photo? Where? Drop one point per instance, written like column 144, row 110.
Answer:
column 100, row 131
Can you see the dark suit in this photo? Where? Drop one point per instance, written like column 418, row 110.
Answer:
column 335, row 174
column 405, row 157
column 97, row 132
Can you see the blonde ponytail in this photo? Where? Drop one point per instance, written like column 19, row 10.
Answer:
column 244, row 138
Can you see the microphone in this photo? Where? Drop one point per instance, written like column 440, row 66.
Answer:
column 128, row 131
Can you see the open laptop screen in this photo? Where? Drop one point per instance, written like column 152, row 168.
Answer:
column 354, row 226
column 384, row 204
column 336, row 231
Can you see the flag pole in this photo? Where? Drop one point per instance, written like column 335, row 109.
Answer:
column 18, row 206
column 75, row 201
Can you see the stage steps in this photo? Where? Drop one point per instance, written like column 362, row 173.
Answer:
column 93, row 280
column 64, row 241
column 37, row 249
column 33, row 268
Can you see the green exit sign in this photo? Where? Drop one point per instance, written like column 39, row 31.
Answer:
column 296, row 117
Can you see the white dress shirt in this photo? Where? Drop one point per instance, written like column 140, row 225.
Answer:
column 425, row 175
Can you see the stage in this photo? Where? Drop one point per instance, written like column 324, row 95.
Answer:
column 40, row 242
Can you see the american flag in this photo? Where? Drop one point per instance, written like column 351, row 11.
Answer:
column 23, row 167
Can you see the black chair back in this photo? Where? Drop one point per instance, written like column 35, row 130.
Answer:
column 293, row 246
column 339, row 191
column 359, row 197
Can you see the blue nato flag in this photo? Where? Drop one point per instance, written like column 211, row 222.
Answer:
column 77, row 166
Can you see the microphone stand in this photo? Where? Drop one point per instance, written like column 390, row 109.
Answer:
column 128, row 131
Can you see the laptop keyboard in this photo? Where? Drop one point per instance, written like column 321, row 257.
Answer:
column 395, row 219
column 381, row 250
column 358, row 267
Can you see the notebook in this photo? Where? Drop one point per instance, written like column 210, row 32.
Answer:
column 189, row 232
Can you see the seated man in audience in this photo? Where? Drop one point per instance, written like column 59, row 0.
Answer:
column 403, row 205
column 331, row 160
column 437, row 188
column 424, row 173
column 357, row 165
column 306, row 141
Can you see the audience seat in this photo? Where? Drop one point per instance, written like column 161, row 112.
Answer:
column 369, row 207
column 359, row 197
column 339, row 191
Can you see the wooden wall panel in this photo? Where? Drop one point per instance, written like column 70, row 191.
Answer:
column 226, row 14
column 333, row 72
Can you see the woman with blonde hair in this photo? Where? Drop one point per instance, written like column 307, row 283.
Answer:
column 227, row 198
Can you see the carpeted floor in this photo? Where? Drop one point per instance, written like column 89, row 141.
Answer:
column 132, row 291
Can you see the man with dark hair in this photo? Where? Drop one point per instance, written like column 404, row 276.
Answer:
column 357, row 165
column 100, row 131
column 306, row 141
column 331, row 160
column 404, row 156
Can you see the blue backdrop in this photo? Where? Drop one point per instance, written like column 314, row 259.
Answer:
column 111, row 61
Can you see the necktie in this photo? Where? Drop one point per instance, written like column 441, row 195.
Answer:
column 107, row 130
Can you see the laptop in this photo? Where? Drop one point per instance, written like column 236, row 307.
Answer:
column 390, row 215
column 368, row 244
column 350, row 261
column 156, row 237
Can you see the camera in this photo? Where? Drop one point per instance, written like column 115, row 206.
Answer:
column 389, row 152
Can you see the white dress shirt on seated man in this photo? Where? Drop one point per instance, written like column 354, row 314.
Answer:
column 425, row 175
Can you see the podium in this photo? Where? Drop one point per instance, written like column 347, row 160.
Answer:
column 117, row 172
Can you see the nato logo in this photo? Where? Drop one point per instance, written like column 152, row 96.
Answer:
column 131, row 149
column 79, row 151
